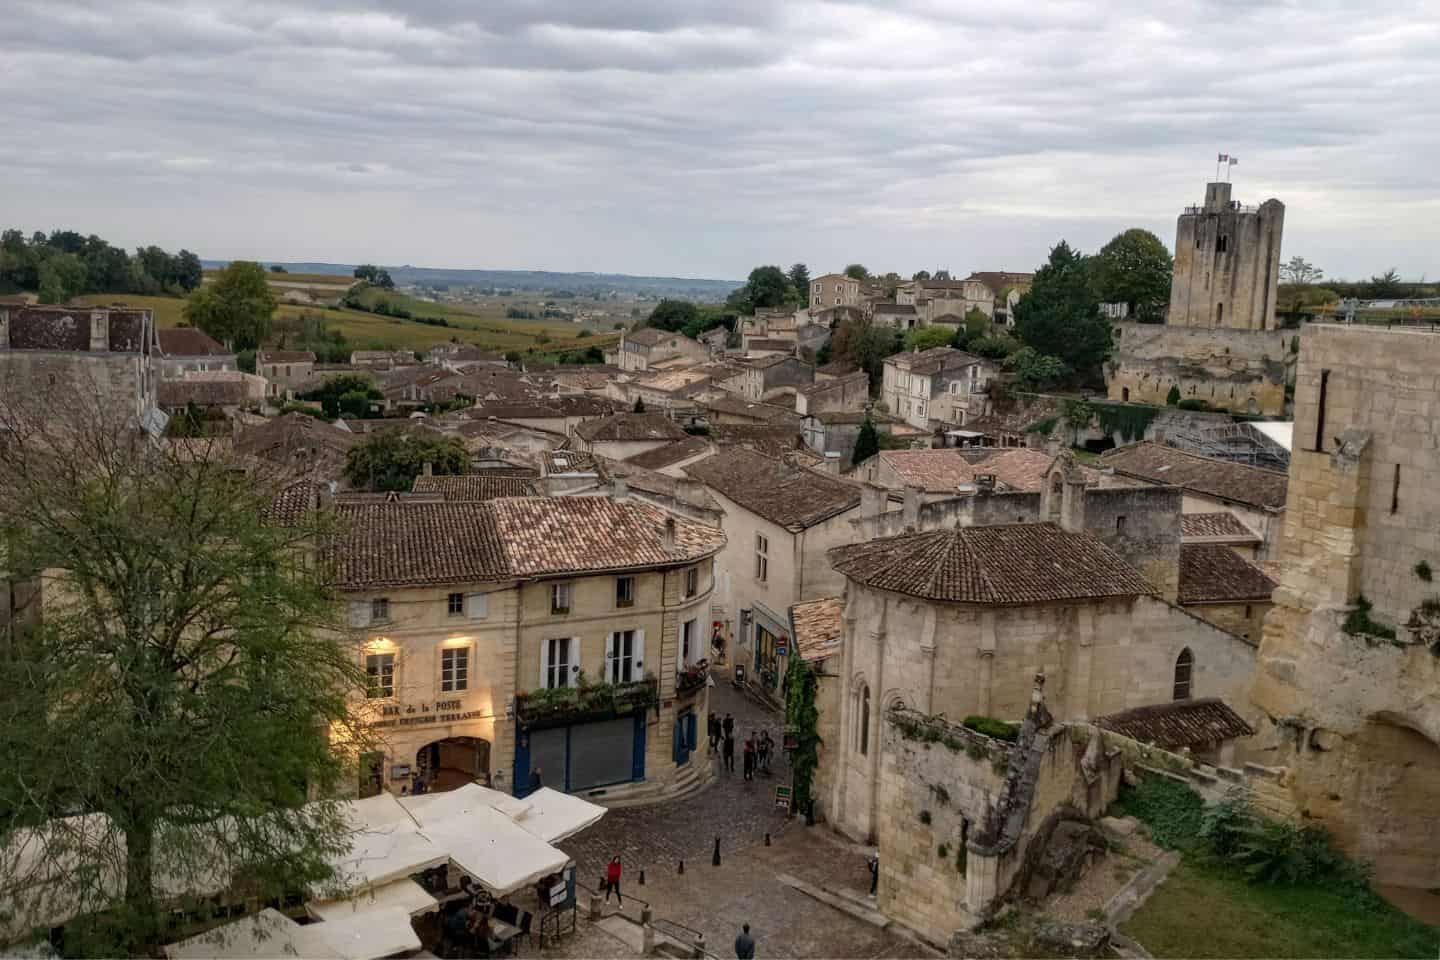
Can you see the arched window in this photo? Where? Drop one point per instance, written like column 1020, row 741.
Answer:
column 1184, row 666
column 863, row 734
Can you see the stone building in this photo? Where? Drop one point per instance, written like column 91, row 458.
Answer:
column 1219, row 343
column 815, row 625
column 936, row 385
column 623, row 435
column 833, row 290
column 779, row 521
column 1253, row 496
column 956, row 621
column 285, row 369
column 484, row 627
column 63, row 351
column 1219, row 585
column 638, row 349
column 848, row 392
column 764, row 375
column 184, row 350
column 949, row 472
column 1349, row 667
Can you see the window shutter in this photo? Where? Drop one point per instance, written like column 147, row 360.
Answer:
column 359, row 613
column 639, row 654
column 575, row 666
column 477, row 606
column 544, row 664
column 609, row 676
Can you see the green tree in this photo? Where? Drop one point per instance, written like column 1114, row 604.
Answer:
column 977, row 323
column 639, row 405
column 1173, row 397
column 1060, row 315
column 237, row 308
column 923, row 338
column 392, row 459
column 1033, row 370
column 1298, row 270
column 800, row 281
column 770, row 287
column 941, row 275
column 62, row 276
column 993, row 347
column 366, row 272
column 333, row 389
column 857, row 271
column 354, row 403
column 383, row 280
column 277, row 268
column 188, row 272
column 1134, row 268
column 672, row 315
column 920, row 275
column 1386, row 285
column 802, row 716
column 867, row 443
column 186, row 688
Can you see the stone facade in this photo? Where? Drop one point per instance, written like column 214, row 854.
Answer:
column 58, row 353
column 1227, row 263
column 1356, row 715
column 833, row 290
column 1242, row 371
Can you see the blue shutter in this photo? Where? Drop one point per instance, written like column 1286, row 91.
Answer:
column 637, row 771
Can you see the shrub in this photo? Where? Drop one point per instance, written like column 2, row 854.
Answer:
column 990, row 727
column 1359, row 623
column 1173, row 397
column 1422, row 570
column 1193, row 403
column 1172, row 810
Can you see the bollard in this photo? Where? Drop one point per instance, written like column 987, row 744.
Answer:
column 767, row 841
column 645, row 914
column 682, row 867
column 699, row 952
column 642, row 876
column 594, row 906
column 715, row 860
column 647, row 945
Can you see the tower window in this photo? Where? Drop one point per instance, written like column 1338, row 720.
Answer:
column 1184, row 666
column 1222, row 243
column 1320, row 412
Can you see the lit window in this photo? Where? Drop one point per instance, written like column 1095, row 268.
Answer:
column 454, row 669
column 455, row 604
column 380, row 675
column 559, row 598
column 380, row 610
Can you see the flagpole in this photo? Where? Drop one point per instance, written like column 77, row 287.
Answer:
column 1219, row 157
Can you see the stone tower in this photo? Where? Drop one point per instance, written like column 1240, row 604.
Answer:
column 1227, row 263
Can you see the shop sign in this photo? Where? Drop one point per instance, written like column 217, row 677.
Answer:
column 442, row 711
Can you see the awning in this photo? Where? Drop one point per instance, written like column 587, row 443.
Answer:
column 405, row 895
column 554, row 816
column 367, row 935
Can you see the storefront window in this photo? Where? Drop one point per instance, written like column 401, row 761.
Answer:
column 767, row 663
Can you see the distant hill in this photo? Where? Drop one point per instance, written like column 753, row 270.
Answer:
column 539, row 280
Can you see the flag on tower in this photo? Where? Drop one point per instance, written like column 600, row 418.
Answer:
column 1222, row 158
column 1234, row 160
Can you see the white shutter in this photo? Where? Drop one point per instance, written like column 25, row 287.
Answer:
column 359, row 613
column 544, row 664
column 609, row 675
column 574, row 678
column 639, row 671
column 477, row 606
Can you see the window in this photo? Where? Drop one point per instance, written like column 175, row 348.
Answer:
column 559, row 598
column 1119, row 524
column 380, row 610
column 1222, row 243
column 1219, row 314
column 688, row 631
column 624, row 591
column 1184, row 665
column 380, row 675
column 1320, row 412
column 454, row 669
column 455, row 604
column 762, row 558
column 557, row 667
column 863, row 734
column 622, row 659
column 692, row 582
column 1247, row 611
column 1395, row 490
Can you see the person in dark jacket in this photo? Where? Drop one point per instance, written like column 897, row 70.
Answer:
column 729, row 753
column 745, row 944
column 728, row 726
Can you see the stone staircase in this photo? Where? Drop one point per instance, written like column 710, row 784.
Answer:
column 692, row 778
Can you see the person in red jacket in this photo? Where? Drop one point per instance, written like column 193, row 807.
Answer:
column 612, row 880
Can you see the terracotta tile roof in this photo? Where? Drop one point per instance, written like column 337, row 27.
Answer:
column 792, row 497
column 816, row 625
column 1183, row 723
column 298, row 440
column 293, row 503
column 652, row 336
column 902, row 309
column 773, row 441
column 1221, row 479
column 925, row 362
column 724, row 402
column 992, row 565
column 650, row 481
column 1017, row 468
column 770, row 343
column 1213, row 573
column 998, row 280
column 853, row 381
column 394, row 544
column 1220, row 527
column 837, row 368
column 630, row 426
column 190, row 342
column 175, row 394
column 571, row 461
column 671, row 453
column 552, row 535
column 475, row 487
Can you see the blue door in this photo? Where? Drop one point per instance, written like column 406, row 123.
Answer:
column 684, row 736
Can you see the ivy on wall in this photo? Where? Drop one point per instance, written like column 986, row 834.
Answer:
column 802, row 717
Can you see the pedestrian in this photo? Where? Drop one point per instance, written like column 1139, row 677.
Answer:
column 766, row 744
column 729, row 726
column 712, row 725
column 874, row 865
column 745, row 944
column 750, row 757
column 729, row 755
column 612, row 881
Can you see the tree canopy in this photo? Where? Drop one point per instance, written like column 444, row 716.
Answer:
column 1060, row 315
column 1033, row 370
column 857, row 271
column 237, row 308
column 767, row 287
column 860, row 343
column 923, row 338
column 867, row 443
column 1134, row 268
column 800, row 281
column 338, row 395
column 187, row 685
column 1299, row 270
column 378, row 276
column 673, row 315
column 66, row 264
column 391, row 459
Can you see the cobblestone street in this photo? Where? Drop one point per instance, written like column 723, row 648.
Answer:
column 754, row 884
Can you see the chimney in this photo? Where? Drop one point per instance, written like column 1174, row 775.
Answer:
column 619, row 489
column 428, row 469
column 832, row 462
column 912, row 508
column 669, row 542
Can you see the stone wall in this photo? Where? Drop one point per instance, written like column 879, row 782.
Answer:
column 1227, row 264
column 1356, row 718
column 125, row 381
column 1245, row 619
column 1240, row 370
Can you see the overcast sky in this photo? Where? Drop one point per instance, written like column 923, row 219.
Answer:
column 698, row 139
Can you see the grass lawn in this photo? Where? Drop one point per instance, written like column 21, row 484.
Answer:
column 1205, row 911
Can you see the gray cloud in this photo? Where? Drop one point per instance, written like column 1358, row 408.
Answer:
column 698, row 138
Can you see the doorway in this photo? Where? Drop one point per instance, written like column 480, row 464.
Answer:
column 453, row 762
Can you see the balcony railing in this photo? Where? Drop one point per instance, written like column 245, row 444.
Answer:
column 692, row 678
column 601, row 701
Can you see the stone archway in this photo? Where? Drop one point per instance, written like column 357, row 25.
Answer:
column 453, row 762
column 1387, row 778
